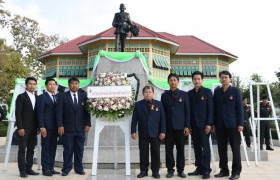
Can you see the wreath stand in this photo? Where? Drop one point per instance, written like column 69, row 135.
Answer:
column 124, row 124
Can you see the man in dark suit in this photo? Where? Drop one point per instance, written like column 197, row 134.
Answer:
column 201, row 101
column 48, row 127
column 228, row 122
column 73, row 121
column 27, row 127
column 177, row 112
column 149, row 115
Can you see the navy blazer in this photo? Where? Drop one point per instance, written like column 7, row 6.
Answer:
column 201, row 107
column 72, row 117
column 46, row 112
column 150, row 123
column 25, row 114
column 177, row 116
column 228, row 108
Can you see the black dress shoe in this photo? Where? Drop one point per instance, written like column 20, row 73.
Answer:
column 182, row 175
column 169, row 174
column 47, row 173
column 80, row 172
column 142, row 174
column 234, row 176
column 64, row 174
column 222, row 174
column 156, row 176
column 31, row 172
column 195, row 173
column 206, row 176
column 55, row 172
column 269, row 148
column 23, row 174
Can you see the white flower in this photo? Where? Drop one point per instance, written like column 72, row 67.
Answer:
column 101, row 101
column 122, row 101
column 99, row 108
column 111, row 102
column 106, row 108
column 124, row 82
column 120, row 106
column 118, row 83
column 127, row 105
column 125, row 74
column 94, row 104
column 114, row 107
column 102, row 75
column 113, row 84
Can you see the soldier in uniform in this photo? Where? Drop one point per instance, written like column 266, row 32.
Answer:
column 201, row 100
column 122, row 23
column 247, row 114
column 265, row 111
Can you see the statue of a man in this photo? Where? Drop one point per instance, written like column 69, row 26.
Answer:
column 123, row 24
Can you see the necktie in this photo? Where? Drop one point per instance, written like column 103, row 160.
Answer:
column 75, row 99
column 54, row 100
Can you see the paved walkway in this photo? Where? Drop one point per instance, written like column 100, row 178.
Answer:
column 268, row 170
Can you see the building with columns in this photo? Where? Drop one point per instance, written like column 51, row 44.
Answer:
column 164, row 53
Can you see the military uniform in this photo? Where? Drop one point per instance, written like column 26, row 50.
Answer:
column 265, row 111
column 246, row 130
column 122, row 24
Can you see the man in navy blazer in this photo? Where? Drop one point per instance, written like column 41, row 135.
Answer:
column 201, row 101
column 228, row 122
column 73, row 121
column 27, row 127
column 48, row 127
column 149, row 115
column 177, row 112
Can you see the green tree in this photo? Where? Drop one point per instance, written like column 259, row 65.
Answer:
column 4, row 15
column 29, row 41
column 11, row 68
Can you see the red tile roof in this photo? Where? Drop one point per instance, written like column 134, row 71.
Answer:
column 187, row 44
column 68, row 47
column 192, row 44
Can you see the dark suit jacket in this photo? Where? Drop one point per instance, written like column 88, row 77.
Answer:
column 228, row 108
column 72, row 117
column 150, row 122
column 46, row 112
column 25, row 115
column 201, row 104
column 177, row 116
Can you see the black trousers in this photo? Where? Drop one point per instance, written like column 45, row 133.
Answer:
column 144, row 154
column 233, row 136
column 120, row 41
column 247, row 133
column 264, row 132
column 49, row 144
column 73, row 143
column 27, row 142
column 201, row 149
column 175, row 137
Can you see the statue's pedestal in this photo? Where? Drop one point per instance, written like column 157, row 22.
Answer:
column 124, row 124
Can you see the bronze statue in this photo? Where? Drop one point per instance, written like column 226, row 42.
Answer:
column 123, row 25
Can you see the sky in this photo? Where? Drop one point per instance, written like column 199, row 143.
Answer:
column 248, row 29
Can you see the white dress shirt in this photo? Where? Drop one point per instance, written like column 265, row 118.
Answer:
column 72, row 95
column 32, row 98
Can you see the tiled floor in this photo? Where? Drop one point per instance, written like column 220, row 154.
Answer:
column 268, row 170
